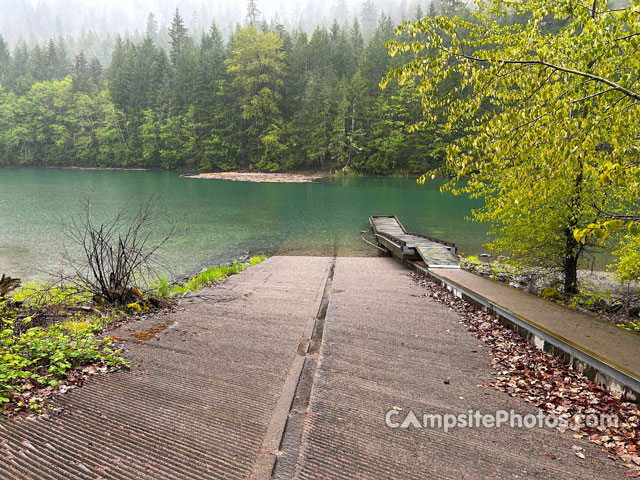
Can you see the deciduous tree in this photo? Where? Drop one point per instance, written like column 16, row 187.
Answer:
column 551, row 106
column 256, row 67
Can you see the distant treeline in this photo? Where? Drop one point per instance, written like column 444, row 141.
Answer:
column 266, row 99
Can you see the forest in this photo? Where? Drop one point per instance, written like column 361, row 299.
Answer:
column 265, row 98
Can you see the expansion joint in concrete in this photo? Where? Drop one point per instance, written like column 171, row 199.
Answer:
column 278, row 456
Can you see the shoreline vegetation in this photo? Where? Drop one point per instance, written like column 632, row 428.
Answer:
column 54, row 335
column 601, row 293
column 242, row 175
column 260, row 177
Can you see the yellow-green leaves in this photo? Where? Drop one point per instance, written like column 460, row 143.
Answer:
column 554, row 102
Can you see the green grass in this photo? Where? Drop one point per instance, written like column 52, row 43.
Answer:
column 214, row 275
column 161, row 288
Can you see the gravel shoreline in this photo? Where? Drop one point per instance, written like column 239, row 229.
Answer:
column 260, row 177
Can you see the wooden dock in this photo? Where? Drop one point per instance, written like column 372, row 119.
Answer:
column 603, row 352
column 393, row 237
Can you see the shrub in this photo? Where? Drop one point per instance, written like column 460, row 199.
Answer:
column 117, row 254
column 45, row 356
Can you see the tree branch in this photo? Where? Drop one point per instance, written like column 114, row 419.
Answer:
column 597, row 78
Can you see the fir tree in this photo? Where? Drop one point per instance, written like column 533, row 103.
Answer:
column 5, row 61
column 80, row 73
column 177, row 34
column 152, row 26
column 253, row 14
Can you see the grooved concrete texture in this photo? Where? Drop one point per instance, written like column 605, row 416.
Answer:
column 204, row 397
column 200, row 396
column 384, row 345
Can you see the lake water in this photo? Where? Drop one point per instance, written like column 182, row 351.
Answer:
column 218, row 220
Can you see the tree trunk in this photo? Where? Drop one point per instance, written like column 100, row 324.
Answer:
column 573, row 249
column 570, row 264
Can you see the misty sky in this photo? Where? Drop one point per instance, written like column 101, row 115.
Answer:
column 38, row 20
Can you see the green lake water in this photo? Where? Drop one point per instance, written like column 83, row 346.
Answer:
column 218, row 220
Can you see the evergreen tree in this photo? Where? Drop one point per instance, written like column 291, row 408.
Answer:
column 51, row 62
column 253, row 14
column 402, row 11
column 20, row 74
column 257, row 70
column 62, row 66
column 5, row 61
column 80, row 73
column 184, row 79
column 152, row 27
column 178, row 35
column 431, row 12
column 95, row 70
column 38, row 63
column 357, row 42
column 451, row 8
column 369, row 16
column 320, row 53
column 341, row 50
column 297, row 74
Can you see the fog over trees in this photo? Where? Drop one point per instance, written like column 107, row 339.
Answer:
column 260, row 95
column 88, row 22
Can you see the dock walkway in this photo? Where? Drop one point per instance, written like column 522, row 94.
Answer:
column 393, row 237
column 602, row 351
column 582, row 333
column 293, row 364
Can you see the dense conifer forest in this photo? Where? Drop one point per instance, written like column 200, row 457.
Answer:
column 262, row 98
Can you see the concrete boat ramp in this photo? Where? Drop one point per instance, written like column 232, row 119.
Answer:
column 289, row 370
column 603, row 352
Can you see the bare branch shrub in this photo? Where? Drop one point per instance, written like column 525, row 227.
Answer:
column 118, row 256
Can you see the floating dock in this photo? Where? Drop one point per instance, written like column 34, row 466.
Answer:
column 394, row 238
column 601, row 351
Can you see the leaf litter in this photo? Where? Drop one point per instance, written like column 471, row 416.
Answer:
column 524, row 371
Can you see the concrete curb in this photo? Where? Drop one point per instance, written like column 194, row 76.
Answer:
column 598, row 369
